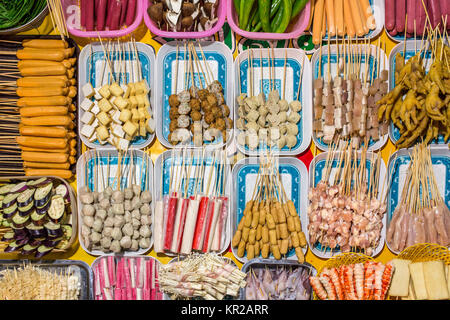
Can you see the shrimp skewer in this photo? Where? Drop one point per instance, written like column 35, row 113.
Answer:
column 359, row 280
column 386, row 279
column 379, row 270
column 369, row 278
column 318, row 288
column 325, row 279
column 348, row 281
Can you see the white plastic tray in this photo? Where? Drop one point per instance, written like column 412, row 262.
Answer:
column 163, row 166
column 98, row 75
column 397, row 171
column 294, row 176
column 86, row 177
column 296, row 60
column 411, row 46
column 220, row 62
column 316, row 169
column 315, row 61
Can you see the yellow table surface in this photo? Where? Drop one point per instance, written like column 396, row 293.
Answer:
column 143, row 35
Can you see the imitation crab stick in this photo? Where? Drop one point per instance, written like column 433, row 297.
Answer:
column 199, row 227
column 176, row 239
column 171, row 212
column 330, row 17
column 356, row 17
column 189, row 227
column 211, row 226
column 318, row 20
column 158, row 226
column 217, row 241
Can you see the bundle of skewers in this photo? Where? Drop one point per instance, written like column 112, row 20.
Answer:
column 419, row 103
column 117, row 109
column 116, row 211
column 126, row 278
column 272, row 121
column 198, row 114
column 208, row 276
column 421, row 216
column 346, row 105
column 37, row 88
column 346, row 211
column 192, row 214
column 271, row 223
column 278, row 284
column 368, row 280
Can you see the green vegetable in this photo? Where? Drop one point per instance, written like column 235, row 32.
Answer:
column 255, row 19
column 17, row 13
column 246, row 7
column 277, row 19
column 299, row 5
column 286, row 17
column 264, row 14
column 257, row 27
column 252, row 16
column 237, row 6
column 274, row 7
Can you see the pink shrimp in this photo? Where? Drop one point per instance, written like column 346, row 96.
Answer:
column 334, row 276
column 325, row 279
column 379, row 269
column 386, row 279
column 348, row 281
column 359, row 280
column 317, row 287
column 340, row 272
column 369, row 277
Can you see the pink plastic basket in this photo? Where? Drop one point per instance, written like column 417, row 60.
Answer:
column 221, row 14
column 297, row 28
column 72, row 15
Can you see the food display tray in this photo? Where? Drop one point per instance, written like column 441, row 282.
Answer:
column 294, row 177
column 93, row 55
column 411, row 46
column 220, row 62
column 275, row 264
column 86, row 168
column 168, row 160
column 73, row 218
column 80, row 268
column 298, row 73
column 398, row 170
column 334, row 59
column 316, row 170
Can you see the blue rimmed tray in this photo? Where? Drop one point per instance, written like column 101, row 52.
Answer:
column 316, row 73
column 397, row 171
column 316, row 170
column 296, row 60
column 411, row 47
column 294, row 176
column 220, row 61
column 98, row 75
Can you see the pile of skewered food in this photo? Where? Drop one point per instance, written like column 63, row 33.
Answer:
column 345, row 212
column 193, row 217
column 280, row 284
column 37, row 216
column 198, row 114
column 421, row 216
column 208, row 276
column 35, row 283
column 119, row 111
column 360, row 281
column 346, row 105
column 270, row 223
column 126, row 278
column 267, row 122
column 183, row 15
column 116, row 217
column 419, row 103
column 38, row 136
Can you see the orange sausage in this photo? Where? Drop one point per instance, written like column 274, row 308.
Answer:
column 73, row 143
column 45, row 157
column 65, row 150
column 69, row 52
column 350, row 28
column 318, row 20
column 72, row 108
column 63, row 121
column 33, row 82
column 324, row 24
column 45, row 165
column 41, row 142
column 45, row 44
column 330, row 18
column 339, row 16
column 73, row 81
column 42, row 91
column 368, row 14
column 357, row 18
column 72, row 92
column 363, row 20
column 44, row 71
column 65, row 174
column 40, row 131
column 43, row 111
column 38, row 63
column 41, row 54
column 44, row 101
